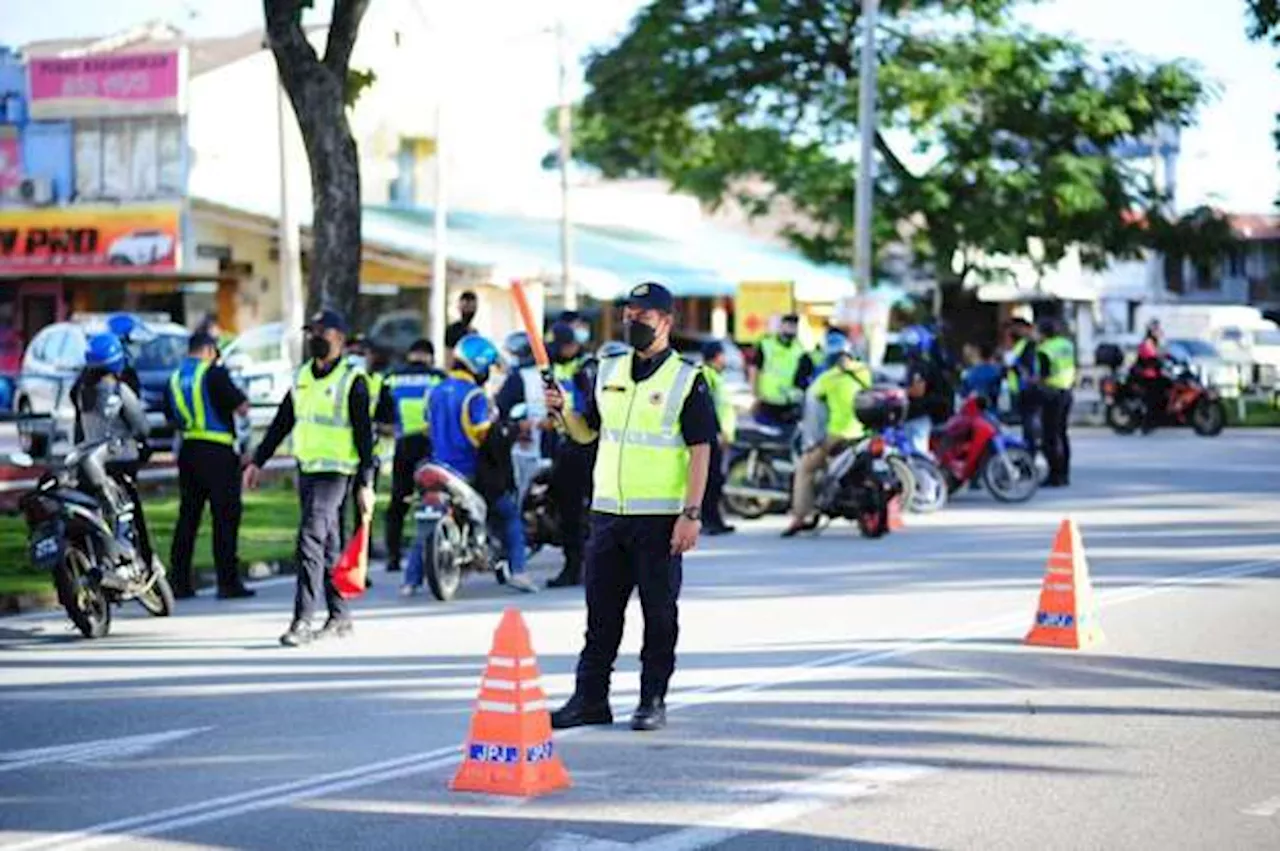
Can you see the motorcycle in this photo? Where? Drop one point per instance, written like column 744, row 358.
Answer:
column 455, row 532
column 94, row 566
column 761, row 466
column 1188, row 402
column 858, row 485
column 973, row 446
column 929, row 491
column 540, row 515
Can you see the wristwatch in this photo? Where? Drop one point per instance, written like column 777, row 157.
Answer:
column 692, row 512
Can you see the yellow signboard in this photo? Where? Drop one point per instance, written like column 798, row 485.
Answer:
column 757, row 305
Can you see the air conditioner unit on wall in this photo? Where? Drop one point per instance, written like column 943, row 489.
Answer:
column 36, row 190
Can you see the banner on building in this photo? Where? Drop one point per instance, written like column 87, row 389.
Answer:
column 757, row 307
column 10, row 159
column 107, row 85
column 86, row 239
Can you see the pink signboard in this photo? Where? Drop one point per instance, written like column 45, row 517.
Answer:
column 10, row 159
column 107, row 85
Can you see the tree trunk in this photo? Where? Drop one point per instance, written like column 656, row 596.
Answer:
column 317, row 90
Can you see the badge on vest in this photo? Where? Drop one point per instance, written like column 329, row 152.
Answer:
column 655, row 398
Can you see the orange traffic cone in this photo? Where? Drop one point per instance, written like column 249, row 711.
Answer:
column 896, row 520
column 1067, row 616
column 352, row 568
column 509, row 749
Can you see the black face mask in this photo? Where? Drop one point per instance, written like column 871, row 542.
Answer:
column 786, row 336
column 318, row 347
column 560, row 355
column 640, row 336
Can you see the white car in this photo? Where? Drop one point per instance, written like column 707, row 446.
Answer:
column 259, row 364
column 140, row 248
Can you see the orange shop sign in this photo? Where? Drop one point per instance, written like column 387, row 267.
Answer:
column 87, row 239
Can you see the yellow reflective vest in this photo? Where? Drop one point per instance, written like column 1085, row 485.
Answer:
column 642, row 465
column 322, row 438
column 777, row 383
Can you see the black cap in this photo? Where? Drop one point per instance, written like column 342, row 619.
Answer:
column 200, row 340
column 422, row 346
column 712, row 349
column 651, row 296
column 326, row 319
column 791, row 318
column 562, row 334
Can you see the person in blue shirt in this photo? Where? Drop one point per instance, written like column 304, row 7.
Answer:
column 983, row 374
column 460, row 418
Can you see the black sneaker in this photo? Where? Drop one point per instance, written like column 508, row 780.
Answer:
column 183, row 592
column 335, row 628
column 579, row 712
column 300, row 634
column 650, row 715
column 236, row 592
column 566, row 578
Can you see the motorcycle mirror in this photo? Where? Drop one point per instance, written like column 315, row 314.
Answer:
column 519, row 411
column 21, row 459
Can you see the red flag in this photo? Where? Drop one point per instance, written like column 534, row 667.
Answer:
column 352, row 569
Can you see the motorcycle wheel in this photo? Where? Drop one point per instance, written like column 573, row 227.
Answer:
column 750, row 507
column 158, row 598
column 931, row 486
column 873, row 519
column 85, row 601
column 1011, row 476
column 906, row 477
column 440, row 564
column 1124, row 417
column 1208, row 417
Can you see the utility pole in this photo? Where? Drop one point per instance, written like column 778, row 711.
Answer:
column 864, row 190
column 440, row 257
column 288, row 243
column 566, row 153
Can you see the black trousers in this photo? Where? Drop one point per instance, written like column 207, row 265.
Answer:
column 125, row 474
column 319, row 543
column 207, row 472
column 1057, row 445
column 1030, row 410
column 625, row 552
column 715, row 488
column 410, row 452
column 570, row 489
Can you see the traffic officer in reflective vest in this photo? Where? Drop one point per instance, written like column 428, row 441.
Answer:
column 1057, row 393
column 575, row 369
column 655, row 421
column 781, row 372
column 402, row 404
column 328, row 413
column 202, row 403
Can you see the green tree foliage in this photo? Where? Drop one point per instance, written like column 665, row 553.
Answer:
column 991, row 135
column 1264, row 25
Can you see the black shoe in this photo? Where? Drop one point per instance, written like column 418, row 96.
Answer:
column 650, row 715
column 236, row 592
column 300, row 634
column 335, row 628
column 393, row 565
column 795, row 529
column 183, row 592
column 566, row 578
column 720, row 529
column 579, row 712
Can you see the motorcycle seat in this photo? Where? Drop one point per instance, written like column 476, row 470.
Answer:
column 758, row 434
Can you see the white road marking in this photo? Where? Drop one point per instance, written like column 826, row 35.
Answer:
column 1266, row 808
column 789, row 801
column 95, row 751
column 216, row 809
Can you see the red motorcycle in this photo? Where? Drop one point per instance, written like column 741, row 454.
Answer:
column 1188, row 402
column 973, row 446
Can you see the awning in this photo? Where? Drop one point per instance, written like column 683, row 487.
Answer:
column 1059, row 290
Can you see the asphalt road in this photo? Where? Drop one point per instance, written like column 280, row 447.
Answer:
column 832, row 691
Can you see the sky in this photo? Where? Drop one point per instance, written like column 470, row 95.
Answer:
column 1229, row 159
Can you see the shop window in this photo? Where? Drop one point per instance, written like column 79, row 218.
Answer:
column 128, row 158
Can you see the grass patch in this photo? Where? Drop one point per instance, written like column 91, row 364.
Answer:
column 1256, row 414
column 268, row 531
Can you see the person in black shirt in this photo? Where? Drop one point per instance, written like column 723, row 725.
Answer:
column 638, row 541
column 323, row 481
column 457, row 330
column 202, row 402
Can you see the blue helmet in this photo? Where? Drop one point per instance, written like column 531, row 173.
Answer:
column 835, row 343
column 124, row 325
column 917, row 340
column 518, row 346
column 477, row 355
column 106, row 351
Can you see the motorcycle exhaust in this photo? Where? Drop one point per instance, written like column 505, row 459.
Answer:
column 747, row 492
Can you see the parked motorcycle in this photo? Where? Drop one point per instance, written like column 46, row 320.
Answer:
column 929, row 491
column 761, row 466
column 94, row 566
column 973, row 445
column 1188, row 402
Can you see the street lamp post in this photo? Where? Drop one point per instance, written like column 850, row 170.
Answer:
column 864, row 190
